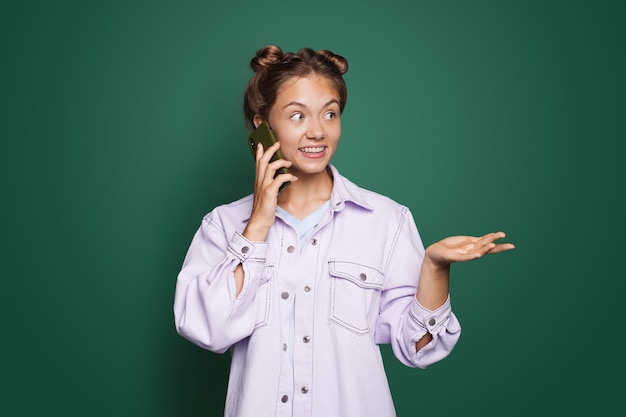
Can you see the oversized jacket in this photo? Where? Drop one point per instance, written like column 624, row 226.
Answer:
column 305, row 329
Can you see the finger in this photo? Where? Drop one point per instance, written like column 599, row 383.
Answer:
column 499, row 247
column 488, row 239
column 259, row 171
column 469, row 256
column 481, row 244
column 492, row 237
column 267, row 155
column 285, row 178
column 484, row 249
column 259, row 151
column 502, row 247
column 278, row 164
column 282, row 179
column 263, row 158
column 264, row 174
column 271, row 171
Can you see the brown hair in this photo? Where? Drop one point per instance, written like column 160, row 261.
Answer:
column 272, row 67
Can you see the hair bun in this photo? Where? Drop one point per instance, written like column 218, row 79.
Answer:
column 266, row 57
column 338, row 61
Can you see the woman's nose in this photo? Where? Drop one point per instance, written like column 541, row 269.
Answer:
column 315, row 130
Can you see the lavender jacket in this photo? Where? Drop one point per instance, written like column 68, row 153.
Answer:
column 304, row 331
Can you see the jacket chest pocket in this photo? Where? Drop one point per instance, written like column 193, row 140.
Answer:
column 353, row 289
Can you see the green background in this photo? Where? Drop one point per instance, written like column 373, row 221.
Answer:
column 122, row 127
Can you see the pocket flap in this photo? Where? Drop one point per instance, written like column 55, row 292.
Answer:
column 361, row 275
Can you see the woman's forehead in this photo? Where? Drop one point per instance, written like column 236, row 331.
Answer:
column 306, row 86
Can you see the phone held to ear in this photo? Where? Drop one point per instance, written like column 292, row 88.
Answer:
column 265, row 136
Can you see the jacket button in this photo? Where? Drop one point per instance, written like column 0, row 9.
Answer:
column 284, row 295
column 290, row 249
column 432, row 322
column 306, row 339
column 245, row 249
column 304, row 390
column 285, row 398
column 307, row 288
column 363, row 277
column 314, row 242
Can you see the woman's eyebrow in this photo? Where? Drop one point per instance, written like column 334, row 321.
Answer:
column 298, row 104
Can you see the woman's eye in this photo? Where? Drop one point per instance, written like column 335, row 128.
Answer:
column 297, row 116
column 330, row 115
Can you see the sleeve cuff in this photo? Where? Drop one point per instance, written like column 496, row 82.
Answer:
column 428, row 320
column 244, row 249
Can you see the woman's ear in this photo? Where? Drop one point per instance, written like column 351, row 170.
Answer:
column 257, row 120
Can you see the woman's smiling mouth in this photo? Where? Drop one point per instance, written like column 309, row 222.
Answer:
column 313, row 151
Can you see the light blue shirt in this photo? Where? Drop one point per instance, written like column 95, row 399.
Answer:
column 304, row 229
column 352, row 284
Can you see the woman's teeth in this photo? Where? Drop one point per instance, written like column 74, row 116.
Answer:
column 312, row 149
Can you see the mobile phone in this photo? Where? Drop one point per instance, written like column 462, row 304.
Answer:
column 265, row 136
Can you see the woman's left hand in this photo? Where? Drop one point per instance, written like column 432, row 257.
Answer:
column 465, row 248
column 433, row 287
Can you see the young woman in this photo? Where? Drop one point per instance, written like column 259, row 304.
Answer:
column 303, row 285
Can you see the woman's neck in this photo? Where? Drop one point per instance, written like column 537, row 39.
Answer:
column 304, row 196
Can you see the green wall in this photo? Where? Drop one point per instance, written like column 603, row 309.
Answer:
column 122, row 126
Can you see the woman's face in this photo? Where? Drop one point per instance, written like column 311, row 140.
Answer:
column 305, row 119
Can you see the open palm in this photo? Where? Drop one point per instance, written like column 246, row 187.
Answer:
column 465, row 248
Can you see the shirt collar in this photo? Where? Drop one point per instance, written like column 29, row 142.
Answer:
column 344, row 190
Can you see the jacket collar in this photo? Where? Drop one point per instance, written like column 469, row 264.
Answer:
column 345, row 191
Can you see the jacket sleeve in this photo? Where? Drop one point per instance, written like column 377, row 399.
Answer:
column 206, row 310
column 402, row 320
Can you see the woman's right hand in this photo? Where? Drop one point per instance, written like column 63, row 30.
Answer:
column 266, row 192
